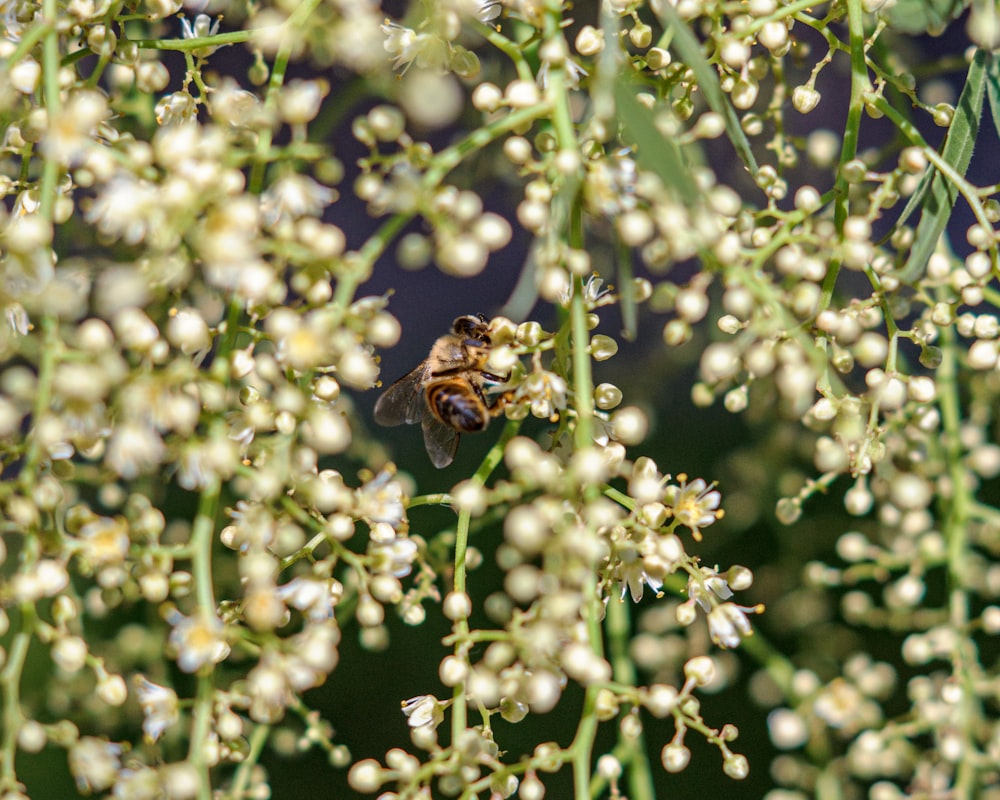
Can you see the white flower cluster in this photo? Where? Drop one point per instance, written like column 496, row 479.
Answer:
column 194, row 513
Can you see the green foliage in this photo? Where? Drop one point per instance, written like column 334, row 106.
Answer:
column 923, row 16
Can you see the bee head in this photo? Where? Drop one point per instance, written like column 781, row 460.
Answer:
column 472, row 327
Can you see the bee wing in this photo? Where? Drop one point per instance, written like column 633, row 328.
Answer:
column 404, row 400
column 440, row 440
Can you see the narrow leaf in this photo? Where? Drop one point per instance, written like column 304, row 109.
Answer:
column 957, row 152
column 654, row 152
column 993, row 88
column 689, row 50
column 915, row 200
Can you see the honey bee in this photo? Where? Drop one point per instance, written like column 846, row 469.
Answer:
column 446, row 393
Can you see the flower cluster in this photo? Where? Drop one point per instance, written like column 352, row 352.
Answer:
column 197, row 520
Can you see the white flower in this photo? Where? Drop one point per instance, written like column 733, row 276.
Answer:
column 545, row 392
column 241, row 430
column 381, row 499
column 293, row 196
column 94, row 764
column 634, row 576
column 72, row 131
column 729, row 624
column 482, row 10
column 573, row 73
column 695, row 505
column 254, row 528
column 423, row 711
column 300, row 100
column 592, row 292
column 203, row 463
column 198, row 641
column 134, row 448
column 400, row 43
column 269, row 689
column 488, row 10
column 358, row 38
column 708, row 590
column 202, row 28
column 18, row 320
column 10, row 28
column 235, row 106
column 104, row 541
column 140, row 783
column 159, row 707
column 127, row 208
column 176, row 108
column 406, row 47
column 395, row 557
column 312, row 656
column 841, row 704
column 309, row 595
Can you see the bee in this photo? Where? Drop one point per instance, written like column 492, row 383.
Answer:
column 447, row 392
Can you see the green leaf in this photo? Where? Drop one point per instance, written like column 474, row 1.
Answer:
column 654, row 152
column 626, row 292
column 689, row 51
column 941, row 195
column 993, row 88
column 923, row 16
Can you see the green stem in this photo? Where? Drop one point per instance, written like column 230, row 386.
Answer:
column 241, row 780
column 784, row 11
column 619, row 628
column 10, row 682
column 202, row 539
column 292, row 31
column 182, row 45
column 512, row 50
column 200, row 730
column 257, row 171
column 964, row 661
column 43, row 397
column 460, row 629
column 50, row 77
column 583, row 745
column 358, row 269
column 566, row 222
column 583, row 382
column 28, row 41
column 966, row 189
column 459, row 721
column 860, row 84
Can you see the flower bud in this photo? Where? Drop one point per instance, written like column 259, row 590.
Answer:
column 589, row 41
column 700, row 670
column 603, row 347
column 805, row 99
column 366, row 776
column 675, row 757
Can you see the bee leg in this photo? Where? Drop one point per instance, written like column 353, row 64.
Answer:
column 500, row 402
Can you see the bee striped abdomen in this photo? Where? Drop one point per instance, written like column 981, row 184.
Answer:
column 456, row 405
column 446, row 392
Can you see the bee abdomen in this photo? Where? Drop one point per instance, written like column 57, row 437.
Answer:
column 458, row 407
